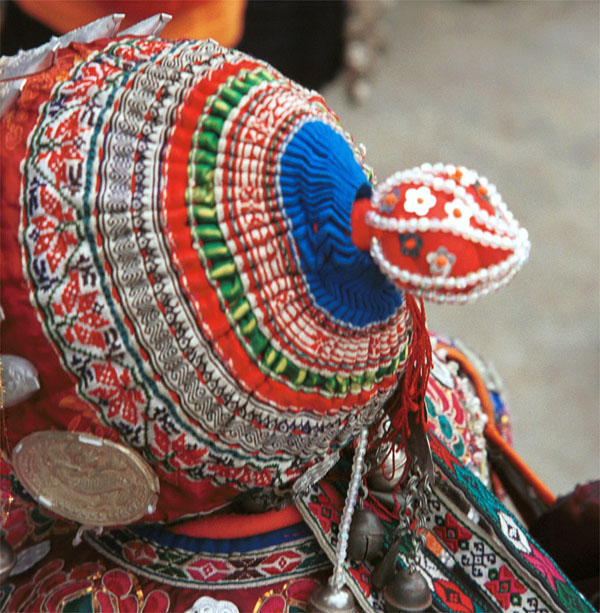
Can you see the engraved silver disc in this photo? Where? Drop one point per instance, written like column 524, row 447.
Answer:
column 84, row 478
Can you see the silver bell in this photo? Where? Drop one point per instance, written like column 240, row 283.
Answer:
column 388, row 475
column 329, row 599
column 365, row 539
column 407, row 591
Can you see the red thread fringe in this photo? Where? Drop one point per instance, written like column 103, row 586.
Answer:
column 410, row 396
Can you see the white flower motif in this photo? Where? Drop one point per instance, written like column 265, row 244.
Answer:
column 440, row 262
column 467, row 177
column 459, row 213
column 419, row 200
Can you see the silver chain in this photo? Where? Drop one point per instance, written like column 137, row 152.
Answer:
column 415, row 508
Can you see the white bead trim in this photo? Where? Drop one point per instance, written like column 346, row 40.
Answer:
column 501, row 232
column 424, row 224
column 441, row 289
column 428, row 175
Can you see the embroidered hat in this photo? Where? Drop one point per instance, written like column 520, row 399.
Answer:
column 202, row 252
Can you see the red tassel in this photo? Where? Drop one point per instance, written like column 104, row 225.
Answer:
column 418, row 366
column 410, row 397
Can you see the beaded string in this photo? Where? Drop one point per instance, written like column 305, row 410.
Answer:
column 487, row 279
column 4, row 446
column 337, row 580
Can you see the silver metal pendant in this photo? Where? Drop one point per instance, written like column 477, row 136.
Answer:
column 28, row 558
column 386, row 568
column 329, row 599
column 19, row 379
column 93, row 481
column 7, row 560
column 407, row 591
column 365, row 540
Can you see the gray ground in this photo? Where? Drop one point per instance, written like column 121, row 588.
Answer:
column 512, row 90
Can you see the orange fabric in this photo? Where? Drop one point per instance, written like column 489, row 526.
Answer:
column 219, row 19
column 492, row 433
column 238, row 526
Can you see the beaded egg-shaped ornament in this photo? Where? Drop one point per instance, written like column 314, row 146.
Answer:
column 441, row 232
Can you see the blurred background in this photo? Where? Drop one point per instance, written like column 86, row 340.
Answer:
column 509, row 88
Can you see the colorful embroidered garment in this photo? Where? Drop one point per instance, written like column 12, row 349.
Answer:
column 478, row 557
column 186, row 228
column 200, row 265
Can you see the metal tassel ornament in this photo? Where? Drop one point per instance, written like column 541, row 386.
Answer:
column 408, row 590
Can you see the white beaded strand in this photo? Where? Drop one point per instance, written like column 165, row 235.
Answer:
column 484, row 281
column 476, row 235
column 337, row 579
column 428, row 175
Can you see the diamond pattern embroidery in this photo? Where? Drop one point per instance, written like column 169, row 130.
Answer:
column 452, row 533
column 505, row 588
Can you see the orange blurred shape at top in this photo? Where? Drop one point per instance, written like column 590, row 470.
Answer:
column 218, row 19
